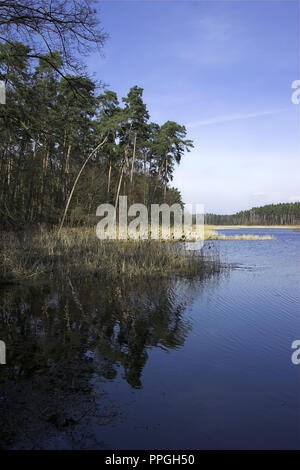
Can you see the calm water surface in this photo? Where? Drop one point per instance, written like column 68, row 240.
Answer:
column 178, row 364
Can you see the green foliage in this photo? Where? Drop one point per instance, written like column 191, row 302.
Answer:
column 70, row 26
column 49, row 126
column 271, row 214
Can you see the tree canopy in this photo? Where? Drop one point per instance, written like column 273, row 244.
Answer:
column 270, row 214
column 48, row 134
column 69, row 26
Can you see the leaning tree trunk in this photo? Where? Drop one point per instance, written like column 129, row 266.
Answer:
column 119, row 185
column 76, row 180
column 108, row 182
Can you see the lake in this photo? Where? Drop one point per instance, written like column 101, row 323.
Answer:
column 160, row 364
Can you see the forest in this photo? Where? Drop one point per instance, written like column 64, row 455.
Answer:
column 270, row 214
column 52, row 126
column 68, row 143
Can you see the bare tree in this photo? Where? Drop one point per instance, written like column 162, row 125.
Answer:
column 69, row 26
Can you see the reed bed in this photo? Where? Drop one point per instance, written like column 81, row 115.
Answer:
column 214, row 235
column 78, row 252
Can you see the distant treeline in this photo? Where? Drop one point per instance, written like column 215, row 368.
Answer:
column 271, row 214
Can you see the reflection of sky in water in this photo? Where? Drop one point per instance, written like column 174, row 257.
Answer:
column 163, row 364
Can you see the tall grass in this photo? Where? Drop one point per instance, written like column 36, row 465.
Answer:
column 78, row 252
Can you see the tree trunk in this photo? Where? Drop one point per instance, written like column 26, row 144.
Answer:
column 108, row 182
column 133, row 158
column 44, row 171
column 67, row 162
column 165, row 188
column 145, row 181
column 158, row 176
column 127, row 147
column 76, row 180
column 119, row 185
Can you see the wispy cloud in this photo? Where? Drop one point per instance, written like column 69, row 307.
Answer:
column 234, row 117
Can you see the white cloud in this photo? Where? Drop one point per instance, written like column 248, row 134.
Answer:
column 234, row 117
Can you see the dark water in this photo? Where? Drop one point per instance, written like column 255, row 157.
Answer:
column 176, row 364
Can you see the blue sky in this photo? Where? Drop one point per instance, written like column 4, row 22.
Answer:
column 223, row 69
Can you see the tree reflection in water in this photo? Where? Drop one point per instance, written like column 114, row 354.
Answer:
column 62, row 338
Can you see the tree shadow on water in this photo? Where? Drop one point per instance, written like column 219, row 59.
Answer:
column 64, row 340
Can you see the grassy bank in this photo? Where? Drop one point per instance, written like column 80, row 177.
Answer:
column 79, row 253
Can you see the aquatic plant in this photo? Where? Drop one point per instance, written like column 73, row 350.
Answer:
column 78, row 252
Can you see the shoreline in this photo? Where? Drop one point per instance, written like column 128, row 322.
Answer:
column 79, row 253
column 232, row 227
